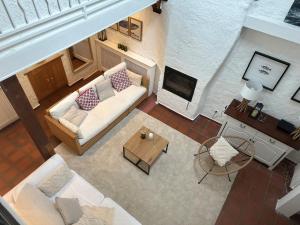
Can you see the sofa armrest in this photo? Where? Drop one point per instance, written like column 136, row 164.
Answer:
column 64, row 134
column 54, row 124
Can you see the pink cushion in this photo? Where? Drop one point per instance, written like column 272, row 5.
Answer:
column 88, row 99
column 120, row 80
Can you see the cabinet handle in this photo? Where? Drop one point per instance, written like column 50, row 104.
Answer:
column 272, row 141
column 242, row 126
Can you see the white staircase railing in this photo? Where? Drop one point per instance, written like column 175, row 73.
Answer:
column 32, row 30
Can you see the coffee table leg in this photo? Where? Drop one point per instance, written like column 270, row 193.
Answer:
column 137, row 163
column 166, row 150
column 148, row 170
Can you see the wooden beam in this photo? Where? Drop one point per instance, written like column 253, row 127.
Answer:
column 22, row 106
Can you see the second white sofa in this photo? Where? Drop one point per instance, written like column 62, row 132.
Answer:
column 77, row 187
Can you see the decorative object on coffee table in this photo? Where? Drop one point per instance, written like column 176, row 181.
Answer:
column 245, row 150
column 143, row 152
column 267, row 69
column 249, row 92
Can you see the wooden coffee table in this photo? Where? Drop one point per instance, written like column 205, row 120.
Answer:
column 143, row 152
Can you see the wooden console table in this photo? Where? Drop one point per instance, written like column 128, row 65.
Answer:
column 271, row 144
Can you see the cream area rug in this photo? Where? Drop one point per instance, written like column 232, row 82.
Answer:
column 170, row 195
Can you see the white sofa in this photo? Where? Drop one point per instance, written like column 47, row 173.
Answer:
column 77, row 187
column 100, row 119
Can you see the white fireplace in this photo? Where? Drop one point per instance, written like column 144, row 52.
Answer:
column 178, row 92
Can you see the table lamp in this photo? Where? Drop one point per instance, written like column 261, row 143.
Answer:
column 249, row 92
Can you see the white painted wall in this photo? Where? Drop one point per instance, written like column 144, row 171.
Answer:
column 200, row 36
column 228, row 83
column 154, row 34
column 268, row 16
column 275, row 10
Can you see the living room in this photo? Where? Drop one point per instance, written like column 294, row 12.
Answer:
column 162, row 94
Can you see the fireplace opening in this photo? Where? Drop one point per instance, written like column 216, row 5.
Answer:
column 179, row 83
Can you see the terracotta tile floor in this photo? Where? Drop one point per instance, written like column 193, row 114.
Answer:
column 251, row 200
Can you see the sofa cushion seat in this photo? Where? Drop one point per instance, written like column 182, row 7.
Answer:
column 107, row 111
column 121, row 216
column 81, row 189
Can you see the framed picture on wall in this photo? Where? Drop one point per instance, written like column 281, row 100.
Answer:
column 115, row 27
column 296, row 96
column 124, row 27
column 136, row 29
column 266, row 69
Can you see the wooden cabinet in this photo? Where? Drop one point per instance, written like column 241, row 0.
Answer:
column 271, row 144
column 48, row 78
column 267, row 150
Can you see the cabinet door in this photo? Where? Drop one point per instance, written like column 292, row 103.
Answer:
column 267, row 152
column 48, row 78
column 230, row 130
column 58, row 75
column 40, row 81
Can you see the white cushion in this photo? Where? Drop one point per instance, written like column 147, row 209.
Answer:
column 222, row 152
column 91, row 84
column 107, row 111
column 35, row 208
column 56, row 180
column 36, row 176
column 81, row 189
column 121, row 216
column 62, row 106
column 75, row 115
column 136, row 79
column 115, row 69
column 69, row 125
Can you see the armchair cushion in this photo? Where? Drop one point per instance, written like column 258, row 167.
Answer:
column 222, row 151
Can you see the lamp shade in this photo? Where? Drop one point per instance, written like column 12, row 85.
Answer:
column 251, row 90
